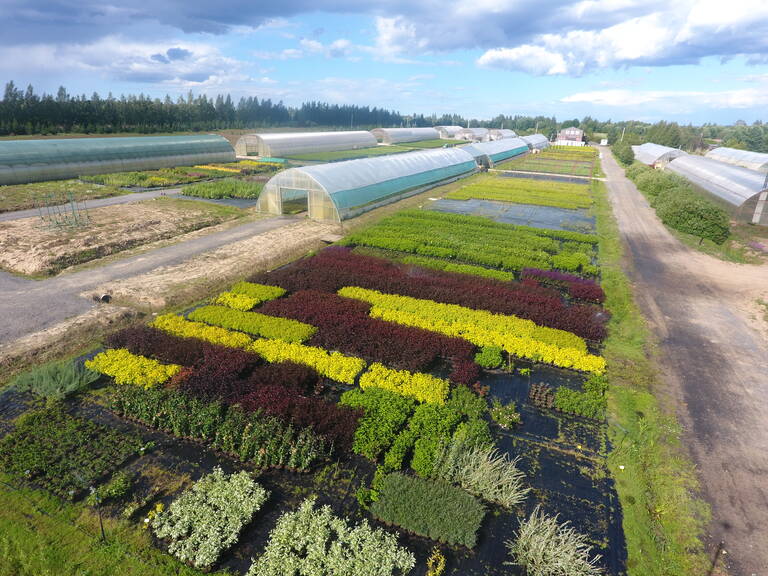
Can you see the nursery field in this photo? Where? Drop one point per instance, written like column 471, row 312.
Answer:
column 26, row 247
column 572, row 160
column 336, row 155
column 25, row 196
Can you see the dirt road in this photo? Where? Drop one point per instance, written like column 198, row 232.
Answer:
column 715, row 366
column 28, row 306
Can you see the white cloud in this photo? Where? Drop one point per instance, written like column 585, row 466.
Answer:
column 532, row 59
column 674, row 100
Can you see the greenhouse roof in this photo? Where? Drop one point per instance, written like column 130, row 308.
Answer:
column 341, row 190
column 733, row 184
column 503, row 133
column 536, row 141
column 651, row 154
column 473, row 133
column 35, row 160
column 752, row 160
column 449, row 131
column 497, row 150
column 279, row 144
column 396, row 135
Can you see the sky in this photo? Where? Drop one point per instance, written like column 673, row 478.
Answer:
column 684, row 60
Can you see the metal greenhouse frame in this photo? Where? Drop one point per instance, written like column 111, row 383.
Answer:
column 448, row 132
column 398, row 135
column 502, row 133
column 742, row 192
column 752, row 160
column 342, row 190
column 282, row 144
column 473, row 134
column 489, row 153
column 536, row 141
column 655, row 154
column 23, row 161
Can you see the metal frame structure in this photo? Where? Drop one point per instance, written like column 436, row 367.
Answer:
column 656, row 154
column 286, row 144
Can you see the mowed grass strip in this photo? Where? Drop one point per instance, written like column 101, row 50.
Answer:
column 526, row 191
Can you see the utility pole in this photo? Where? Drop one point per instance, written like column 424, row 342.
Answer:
column 622, row 134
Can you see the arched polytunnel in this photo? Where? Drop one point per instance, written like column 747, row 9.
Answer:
column 398, row 135
column 655, row 154
column 752, row 160
column 489, row 153
column 536, row 141
column 281, row 144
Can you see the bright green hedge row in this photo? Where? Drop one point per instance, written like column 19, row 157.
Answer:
column 254, row 323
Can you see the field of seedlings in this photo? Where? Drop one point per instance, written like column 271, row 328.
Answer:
column 428, row 397
column 574, row 160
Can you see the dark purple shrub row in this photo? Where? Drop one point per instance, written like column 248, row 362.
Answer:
column 344, row 325
column 335, row 422
column 577, row 286
column 336, row 267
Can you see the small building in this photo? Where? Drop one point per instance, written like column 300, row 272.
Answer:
column 400, row 135
column 282, row 144
column 473, row 134
column 448, row 132
column 570, row 137
column 655, row 155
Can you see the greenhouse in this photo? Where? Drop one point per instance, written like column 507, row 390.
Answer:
column 399, row 135
column 503, row 133
column 448, row 132
column 282, row 144
column 536, row 141
column 23, row 161
column 487, row 154
column 756, row 161
column 740, row 191
column 655, row 154
column 473, row 134
column 342, row 190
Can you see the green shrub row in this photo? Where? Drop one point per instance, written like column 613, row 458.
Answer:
column 457, row 268
column 259, row 292
column 434, row 509
column 254, row 323
column 225, row 188
column 591, row 403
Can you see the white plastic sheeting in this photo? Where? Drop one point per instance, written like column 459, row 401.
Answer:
column 752, row 160
column 398, row 135
column 342, row 190
column 743, row 191
column 448, row 132
column 653, row 154
column 489, row 153
column 283, row 144
column 502, row 133
column 536, row 141
column 473, row 134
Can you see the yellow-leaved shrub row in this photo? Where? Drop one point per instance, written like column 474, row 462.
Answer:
column 236, row 301
column 178, row 326
column 422, row 387
column 519, row 337
column 127, row 368
column 333, row 365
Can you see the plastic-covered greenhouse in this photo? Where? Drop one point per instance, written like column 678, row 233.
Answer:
column 502, row 133
column 343, row 190
column 740, row 191
column 23, row 161
column 282, row 144
column 752, row 160
column 473, row 134
column 448, row 132
column 489, row 153
column 398, row 135
column 536, row 141
column 655, row 154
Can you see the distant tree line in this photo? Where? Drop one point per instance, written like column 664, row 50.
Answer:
column 26, row 112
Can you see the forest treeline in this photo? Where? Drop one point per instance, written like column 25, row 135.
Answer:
column 25, row 112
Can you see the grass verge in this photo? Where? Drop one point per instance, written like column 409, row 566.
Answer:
column 663, row 520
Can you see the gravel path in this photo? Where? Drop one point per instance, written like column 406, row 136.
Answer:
column 714, row 364
column 98, row 203
column 28, row 306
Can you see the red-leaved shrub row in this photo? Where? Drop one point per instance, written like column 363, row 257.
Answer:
column 336, row 267
column 577, row 286
column 344, row 325
column 237, row 377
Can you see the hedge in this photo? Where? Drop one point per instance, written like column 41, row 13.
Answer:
column 127, row 368
column 419, row 386
column 253, row 323
column 332, row 365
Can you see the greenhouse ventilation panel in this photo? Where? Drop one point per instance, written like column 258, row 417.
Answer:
column 536, row 141
column 342, row 190
column 282, row 144
column 23, row 161
column 398, row 135
column 741, row 191
column 473, row 134
column 502, row 133
column 655, row 154
column 756, row 161
column 490, row 153
column 448, row 132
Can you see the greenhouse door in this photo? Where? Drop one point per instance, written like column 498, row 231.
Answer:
column 293, row 200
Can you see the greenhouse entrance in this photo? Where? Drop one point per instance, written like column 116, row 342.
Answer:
column 292, row 201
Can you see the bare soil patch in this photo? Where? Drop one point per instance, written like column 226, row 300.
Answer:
column 27, row 247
